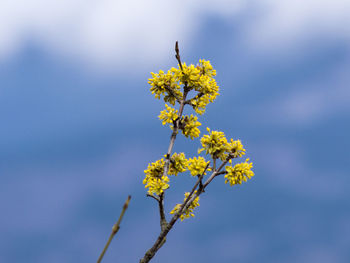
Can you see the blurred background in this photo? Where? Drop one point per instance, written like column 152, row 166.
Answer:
column 78, row 126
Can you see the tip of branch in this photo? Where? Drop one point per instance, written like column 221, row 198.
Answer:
column 127, row 202
column 177, row 47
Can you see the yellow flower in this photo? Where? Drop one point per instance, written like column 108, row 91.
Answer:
column 155, row 169
column 166, row 85
column 168, row 115
column 157, row 185
column 236, row 148
column 178, row 164
column 197, row 165
column 239, row 173
column 154, row 179
column 189, row 76
column 206, row 68
column 214, row 144
column 189, row 211
column 190, row 126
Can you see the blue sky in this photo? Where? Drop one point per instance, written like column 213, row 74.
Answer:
column 79, row 126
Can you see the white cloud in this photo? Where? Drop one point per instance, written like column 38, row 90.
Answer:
column 289, row 23
column 124, row 33
column 105, row 32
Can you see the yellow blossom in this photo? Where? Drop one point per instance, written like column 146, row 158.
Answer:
column 206, row 68
column 154, row 179
column 214, row 144
column 168, row 115
column 236, row 148
column 178, row 164
column 157, row 185
column 197, row 165
column 190, row 75
column 239, row 173
column 190, row 126
column 155, row 169
column 189, row 211
column 199, row 78
column 166, row 85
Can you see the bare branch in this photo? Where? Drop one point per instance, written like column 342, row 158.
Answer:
column 215, row 173
column 177, row 56
column 163, row 221
column 153, row 196
column 115, row 228
column 189, row 101
column 222, row 172
column 161, row 238
column 171, row 92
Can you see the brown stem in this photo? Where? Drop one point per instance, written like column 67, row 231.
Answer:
column 178, row 55
column 171, row 92
column 161, row 238
column 215, row 173
column 163, row 221
column 115, row 229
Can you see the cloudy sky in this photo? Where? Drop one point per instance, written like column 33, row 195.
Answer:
column 78, row 126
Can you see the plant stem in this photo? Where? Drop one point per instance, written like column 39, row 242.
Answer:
column 160, row 240
column 115, row 229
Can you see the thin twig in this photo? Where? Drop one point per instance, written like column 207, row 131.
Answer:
column 199, row 182
column 178, row 55
column 217, row 171
column 171, row 92
column 189, row 101
column 157, row 245
column 115, row 228
column 222, row 172
column 174, row 133
column 163, row 221
column 160, row 240
column 153, row 196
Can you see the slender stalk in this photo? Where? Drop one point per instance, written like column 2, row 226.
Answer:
column 172, row 93
column 115, row 229
column 160, row 198
column 214, row 164
column 215, row 173
column 178, row 55
column 160, row 240
column 163, row 221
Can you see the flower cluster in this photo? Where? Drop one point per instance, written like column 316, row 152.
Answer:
column 178, row 164
column 197, row 165
column 236, row 148
column 166, row 85
column 214, row 144
column 189, row 126
column 189, row 211
column 156, row 185
column 239, row 173
column 199, row 78
column 208, row 90
column 155, row 181
column 217, row 146
column 169, row 115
